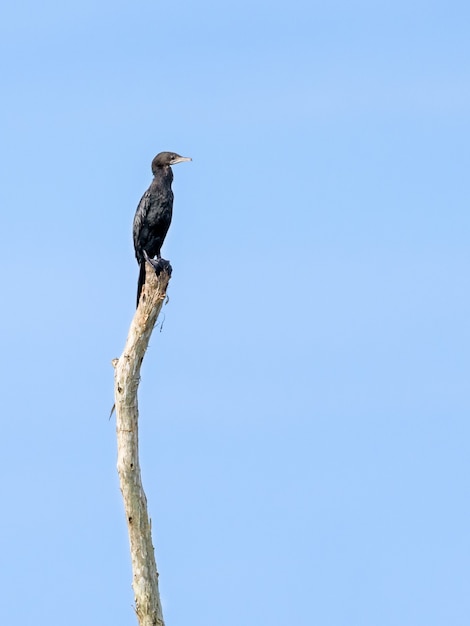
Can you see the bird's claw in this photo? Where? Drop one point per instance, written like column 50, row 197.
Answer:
column 159, row 265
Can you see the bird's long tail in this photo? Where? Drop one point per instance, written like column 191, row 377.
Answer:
column 141, row 282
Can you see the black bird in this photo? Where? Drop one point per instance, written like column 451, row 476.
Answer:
column 153, row 216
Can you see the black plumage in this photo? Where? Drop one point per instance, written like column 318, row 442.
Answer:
column 153, row 216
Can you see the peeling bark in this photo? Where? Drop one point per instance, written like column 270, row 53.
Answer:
column 126, row 383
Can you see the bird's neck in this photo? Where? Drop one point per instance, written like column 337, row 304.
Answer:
column 164, row 174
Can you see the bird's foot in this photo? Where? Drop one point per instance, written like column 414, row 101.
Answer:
column 159, row 265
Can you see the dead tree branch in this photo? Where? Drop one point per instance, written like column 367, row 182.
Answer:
column 126, row 382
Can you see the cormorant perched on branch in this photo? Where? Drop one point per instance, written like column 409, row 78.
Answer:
column 153, row 216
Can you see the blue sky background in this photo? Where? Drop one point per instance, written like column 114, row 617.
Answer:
column 305, row 409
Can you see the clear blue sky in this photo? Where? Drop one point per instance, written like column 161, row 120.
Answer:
column 305, row 409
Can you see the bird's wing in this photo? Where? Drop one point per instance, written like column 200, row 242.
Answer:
column 139, row 220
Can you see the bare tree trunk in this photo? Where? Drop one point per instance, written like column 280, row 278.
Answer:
column 126, row 382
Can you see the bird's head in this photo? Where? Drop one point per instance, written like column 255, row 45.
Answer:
column 164, row 159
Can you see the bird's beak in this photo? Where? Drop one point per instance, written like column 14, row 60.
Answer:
column 180, row 160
